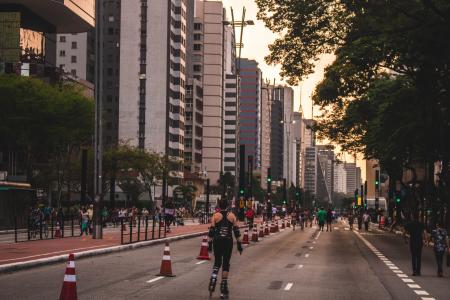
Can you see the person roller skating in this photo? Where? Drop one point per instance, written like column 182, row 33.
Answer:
column 224, row 224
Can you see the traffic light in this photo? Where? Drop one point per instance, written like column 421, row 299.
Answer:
column 377, row 180
column 241, row 192
column 397, row 198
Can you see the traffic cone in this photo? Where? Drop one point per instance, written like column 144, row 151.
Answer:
column 204, row 254
column 58, row 230
column 255, row 234
column 245, row 240
column 288, row 223
column 166, row 264
column 266, row 229
column 282, row 225
column 272, row 228
column 69, row 288
column 261, row 231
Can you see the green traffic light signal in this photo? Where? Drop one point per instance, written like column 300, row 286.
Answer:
column 269, row 179
column 377, row 182
column 397, row 199
column 241, row 192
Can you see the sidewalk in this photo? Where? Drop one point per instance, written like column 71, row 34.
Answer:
column 16, row 256
column 28, row 251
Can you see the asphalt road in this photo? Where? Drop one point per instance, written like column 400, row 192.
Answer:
column 290, row 265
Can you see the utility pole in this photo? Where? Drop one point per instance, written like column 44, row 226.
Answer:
column 98, row 136
column 207, row 201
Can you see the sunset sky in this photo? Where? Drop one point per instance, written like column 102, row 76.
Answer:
column 256, row 39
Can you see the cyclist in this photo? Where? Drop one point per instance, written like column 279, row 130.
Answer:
column 224, row 224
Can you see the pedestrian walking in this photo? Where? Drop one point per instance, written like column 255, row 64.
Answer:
column 440, row 239
column 84, row 222
column 416, row 230
column 366, row 220
column 329, row 218
column 351, row 220
column 321, row 217
column 250, row 215
column 90, row 212
column 224, row 224
column 269, row 210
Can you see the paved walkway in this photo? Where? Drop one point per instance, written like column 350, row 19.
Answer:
column 11, row 252
column 26, row 251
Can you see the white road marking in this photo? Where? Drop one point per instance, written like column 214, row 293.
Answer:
column 317, row 237
column 306, row 255
column 300, row 266
column 200, row 262
column 421, row 293
column 336, row 228
column 314, row 242
column 346, row 228
column 311, row 248
column 288, row 286
column 396, row 270
column 155, row 279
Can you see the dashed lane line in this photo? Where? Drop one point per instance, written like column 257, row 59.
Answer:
column 200, row 262
column 288, row 286
column 155, row 279
column 306, row 255
column 408, row 281
column 300, row 266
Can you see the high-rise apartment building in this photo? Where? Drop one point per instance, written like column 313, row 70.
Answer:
column 209, row 16
column 265, row 124
column 193, row 128
column 310, row 178
column 250, row 110
column 325, row 173
column 340, row 178
column 296, row 148
column 351, row 185
column 276, row 136
column 153, row 80
column 75, row 54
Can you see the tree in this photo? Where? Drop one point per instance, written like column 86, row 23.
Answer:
column 387, row 94
column 187, row 193
column 46, row 125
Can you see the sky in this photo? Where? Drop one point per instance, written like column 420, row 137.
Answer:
column 256, row 39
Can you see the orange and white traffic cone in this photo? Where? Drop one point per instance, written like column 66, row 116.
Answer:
column 245, row 238
column 261, row 231
column 255, row 234
column 272, row 228
column 204, row 254
column 69, row 288
column 166, row 264
column 266, row 229
column 288, row 223
column 58, row 230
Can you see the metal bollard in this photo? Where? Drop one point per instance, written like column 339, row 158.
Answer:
column 15, row 229
column 71, row 221
column 121, row 231
column 51, row 225
column 40, row 227
column 131, row 230
column 139, row 229
column 153, row 227
column 146, row 228
column 159, row 228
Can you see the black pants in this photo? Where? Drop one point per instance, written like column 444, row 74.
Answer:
column 439, row 259
column 416, row 257
column 222, row 253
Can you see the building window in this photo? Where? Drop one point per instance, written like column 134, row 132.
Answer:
column 110, row 31
column 197, row 68
column 62, row 53
column 197, row 47
column 61, row 66
column 73, row 72
column 111, row 18
column 62, row 38
column 197, row 26
column 74, row 45
column 73, row 59
column 197, row 37
column 110, row 71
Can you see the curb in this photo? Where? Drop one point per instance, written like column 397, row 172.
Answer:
column 8, row 268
